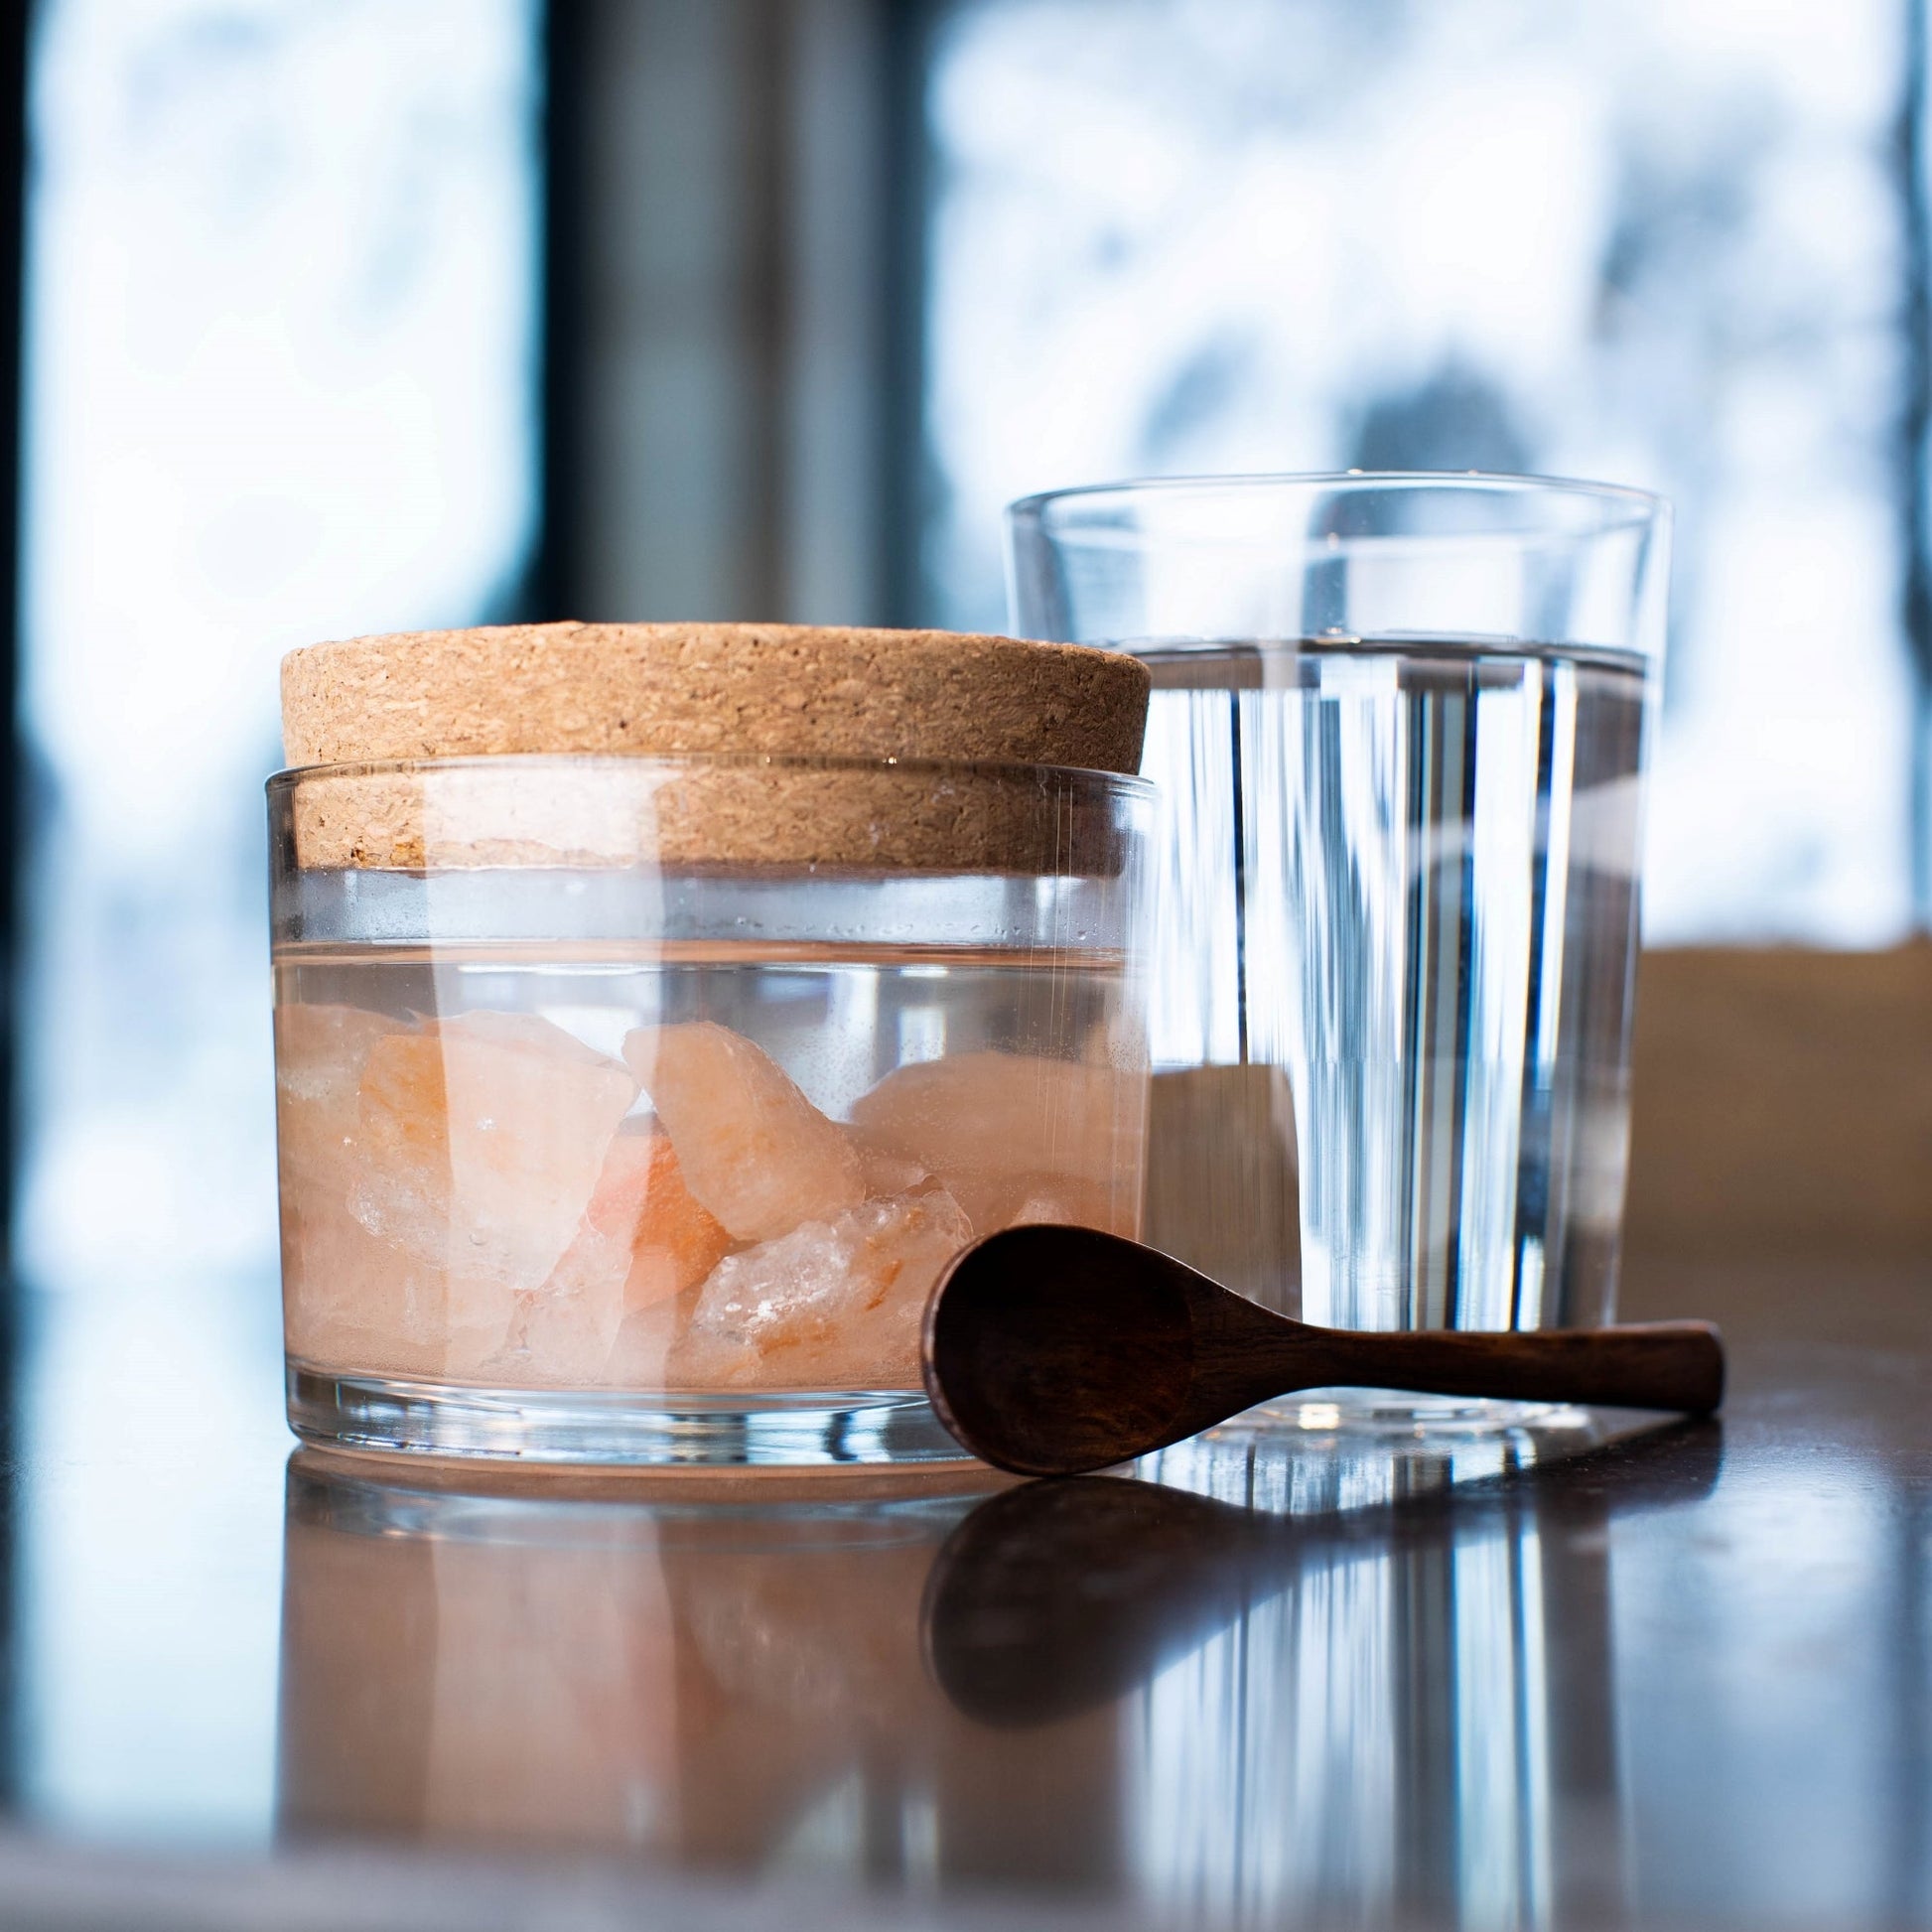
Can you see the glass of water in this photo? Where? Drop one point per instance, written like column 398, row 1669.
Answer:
column 1399, row 725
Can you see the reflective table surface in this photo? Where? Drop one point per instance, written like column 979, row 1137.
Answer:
column 1619, row 1672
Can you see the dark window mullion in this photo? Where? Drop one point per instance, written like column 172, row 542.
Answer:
column 1914, row 428
column 553, row 581
column 908, row 30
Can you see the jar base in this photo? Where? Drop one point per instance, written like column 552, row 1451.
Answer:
column 616, row 1428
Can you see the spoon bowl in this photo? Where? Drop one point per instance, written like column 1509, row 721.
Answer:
column 1041, row 1322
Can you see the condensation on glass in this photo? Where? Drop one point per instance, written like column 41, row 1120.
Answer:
column 597, row 1147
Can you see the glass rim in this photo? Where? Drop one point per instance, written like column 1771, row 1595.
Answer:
column 1642, row 506
column 1084, row 778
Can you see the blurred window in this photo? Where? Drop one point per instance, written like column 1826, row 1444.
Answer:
column 280, row 383
column 1664, row 242
column 280, row 386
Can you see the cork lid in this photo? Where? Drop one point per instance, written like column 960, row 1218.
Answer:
column 779, row 706
column 784, row 690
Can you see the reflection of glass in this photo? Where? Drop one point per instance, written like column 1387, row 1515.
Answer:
column 1417, row 1689
column 1350, row 1710
column 1399, row 725
column 602, row 1140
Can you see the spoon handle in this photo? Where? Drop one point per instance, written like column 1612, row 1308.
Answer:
column 1647, row 1365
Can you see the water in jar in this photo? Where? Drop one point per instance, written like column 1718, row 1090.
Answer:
column 710, row 1165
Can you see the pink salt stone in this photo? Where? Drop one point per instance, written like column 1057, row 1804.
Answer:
column 887, row 1174
column 319, row 1052
column 641, row 1357
column 557, row 1341
column 832, row 1304
column 755, row 1153
column 1001, row 1129
column 482, row 1138
column 1046, row 1199
column 352, row 1302
column 643, row 1240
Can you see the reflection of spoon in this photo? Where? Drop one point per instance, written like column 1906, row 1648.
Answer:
column 1053, row 1351
column 1055, row 1597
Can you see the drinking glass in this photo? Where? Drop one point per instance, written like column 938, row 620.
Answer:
column 1400, row 723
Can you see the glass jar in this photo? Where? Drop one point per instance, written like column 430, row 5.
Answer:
column 629, row 1107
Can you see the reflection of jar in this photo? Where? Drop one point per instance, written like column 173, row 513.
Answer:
column 631, row 1097
column 715, row 1688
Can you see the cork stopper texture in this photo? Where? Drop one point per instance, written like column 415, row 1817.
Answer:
column 763, row 690
column 781, row 689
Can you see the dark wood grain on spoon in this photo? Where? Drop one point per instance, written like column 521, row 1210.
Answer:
column 1054, row 1350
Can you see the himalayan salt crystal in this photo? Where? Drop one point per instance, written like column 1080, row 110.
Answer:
column 887, row 1174
column 352, row 1302
column 676, row 1242
column 642, row 1233
column 755, row 1153
column 483, row 1140
column 643, row 1240
column 641, row 1355
column 319, row 1052
column 1049, row 1199
column 831, row 1304
column 558, row 1341
column 999, row 1129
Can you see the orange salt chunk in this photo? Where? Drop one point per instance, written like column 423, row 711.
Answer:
column 644, row 1344
column 755, row 1153
column 991, row 1114
column 351, row 1303
column 320, row 1054
column 887, row 1174
column 832, row 1304
column 558, row 1338
column 1012, row 1134
column 1048, row 1198
column 481, row 1138
column 678, row 1242
column 565, row 1328
column 319, row 1049
column 642, row 1228
column 643, row 1240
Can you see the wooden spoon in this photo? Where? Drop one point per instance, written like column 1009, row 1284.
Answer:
column 1054, row 1350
